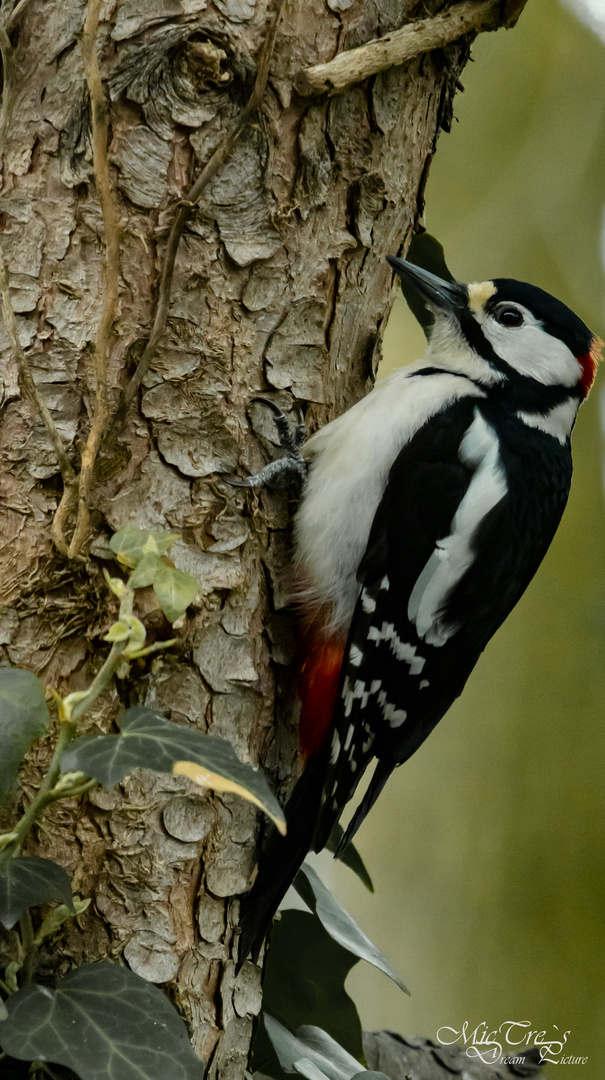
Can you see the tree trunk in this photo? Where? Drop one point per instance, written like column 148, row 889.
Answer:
column 281, row 287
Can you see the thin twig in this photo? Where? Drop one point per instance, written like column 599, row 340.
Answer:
column 184, row 211
column 402, row 45
column 31, row 390
column 100, row 134
column 29, row 948
column 51, row 790
column 14, row 15
column 6, row 51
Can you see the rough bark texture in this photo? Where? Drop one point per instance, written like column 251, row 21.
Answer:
column 280, row 286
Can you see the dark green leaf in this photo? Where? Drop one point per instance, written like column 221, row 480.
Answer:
column 145, row 571
column 370, row 1074
column 311, row 1052
column 175, row 590
column 131, row 545
column 15, row 1070
column 29, row 881
column 149, row 740
column 309, row 1069
column 24, row 716
column 427, row 252
column 339, row 923
column 305, row 974
column 349, row 857
column 105, row 1023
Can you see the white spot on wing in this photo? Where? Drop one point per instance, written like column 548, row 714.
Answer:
column 400, row 649
column 424, row 684
column 453, row 555
column 351, row 694
column 335, row 749
column 394, row 716
column 367, row 603
column 355, row 656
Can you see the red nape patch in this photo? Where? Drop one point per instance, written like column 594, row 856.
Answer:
column 317, row 688
column 589, row 362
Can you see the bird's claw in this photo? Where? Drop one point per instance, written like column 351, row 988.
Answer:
column 288, row 471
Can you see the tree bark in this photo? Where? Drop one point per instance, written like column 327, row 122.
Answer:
column 280, row 287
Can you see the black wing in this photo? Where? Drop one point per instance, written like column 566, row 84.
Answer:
column 427, row 609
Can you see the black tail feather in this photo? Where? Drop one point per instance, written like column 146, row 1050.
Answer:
column 381, row 774
column 281, row 860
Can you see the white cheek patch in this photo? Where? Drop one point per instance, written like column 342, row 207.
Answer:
column 453, row 555
column 531, row 350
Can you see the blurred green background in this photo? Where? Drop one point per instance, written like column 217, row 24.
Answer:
column 487, row 848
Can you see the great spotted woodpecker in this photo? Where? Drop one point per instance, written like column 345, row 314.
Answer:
column 426, row 512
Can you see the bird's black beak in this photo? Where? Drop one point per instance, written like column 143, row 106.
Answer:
column 446, row 295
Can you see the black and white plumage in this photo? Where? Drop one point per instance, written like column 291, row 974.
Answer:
column 427, row 510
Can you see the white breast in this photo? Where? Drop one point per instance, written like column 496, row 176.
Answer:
column 350, row 463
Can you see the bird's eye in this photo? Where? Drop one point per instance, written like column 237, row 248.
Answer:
column 509, row 316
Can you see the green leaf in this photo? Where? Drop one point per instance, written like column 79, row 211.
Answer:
column 313, row 1053
column 24, row 716
column 145, row 571
column 175, row 590
column 370, row 1074
column 29, row 881
column 349, row 857
column 149, row 740
column 304, row 983
column 131, row 545
column 339, row 923
column 427, row 252
column 105, row 1023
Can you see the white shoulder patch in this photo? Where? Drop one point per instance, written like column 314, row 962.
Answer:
column 453, row 555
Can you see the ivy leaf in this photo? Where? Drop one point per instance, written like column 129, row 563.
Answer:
column 145, row 571
column 103, row 1022
column 24, row 716
column 150, row 741
column 316, row 995
column 175, row 590
column 425, row 251
column 29, row 881
column 313, row 1053
column 339, row 924
column 349, row 857
column 131, row 545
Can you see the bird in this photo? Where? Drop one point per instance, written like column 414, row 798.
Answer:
column 426, row 510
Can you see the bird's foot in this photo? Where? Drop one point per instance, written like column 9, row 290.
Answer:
column 289, row 471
